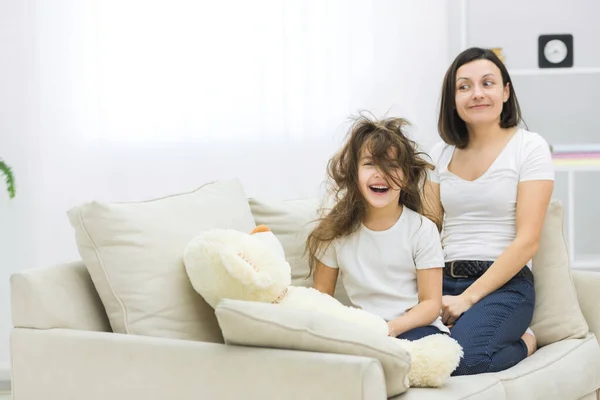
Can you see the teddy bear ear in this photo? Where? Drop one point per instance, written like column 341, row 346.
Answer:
column 242, row 270
column 259, row 229
column 270, row 240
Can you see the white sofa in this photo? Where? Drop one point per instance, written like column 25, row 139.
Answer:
column 121, row 325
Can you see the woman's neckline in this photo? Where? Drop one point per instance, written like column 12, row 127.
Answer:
column 508, row 143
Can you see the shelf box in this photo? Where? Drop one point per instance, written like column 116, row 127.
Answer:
column 583, row 168
column 588, row 262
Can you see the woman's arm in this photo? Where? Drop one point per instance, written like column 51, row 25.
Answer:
column 533, row 198
column 429, row 284
column 325, row 278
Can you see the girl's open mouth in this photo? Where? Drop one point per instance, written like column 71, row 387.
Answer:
column 379, row 188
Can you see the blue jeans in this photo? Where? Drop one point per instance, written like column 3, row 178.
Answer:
column 419, row 333
column 490, row 331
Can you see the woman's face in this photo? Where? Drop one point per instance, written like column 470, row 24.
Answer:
column 480, row 94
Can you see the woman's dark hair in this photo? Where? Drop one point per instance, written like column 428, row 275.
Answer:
column 451, row 127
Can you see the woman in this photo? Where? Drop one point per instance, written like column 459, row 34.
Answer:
column 489, row 194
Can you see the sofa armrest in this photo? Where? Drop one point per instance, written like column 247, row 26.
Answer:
column 61, row 296
column 587, row 284
column 61, row 364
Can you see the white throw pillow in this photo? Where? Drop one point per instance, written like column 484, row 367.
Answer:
column 557, row 315
column 134, row 254
column 248, row 323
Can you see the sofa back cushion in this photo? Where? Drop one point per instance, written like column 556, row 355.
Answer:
column 134, row 254
column 557, row 315
column 292, row 221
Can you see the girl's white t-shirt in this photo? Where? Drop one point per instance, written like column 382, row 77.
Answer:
column 480, row 215
column 379, row 268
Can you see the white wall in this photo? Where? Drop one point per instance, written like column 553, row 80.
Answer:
column 18, row 147
column 58, row 163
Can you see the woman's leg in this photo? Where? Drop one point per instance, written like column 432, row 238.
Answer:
column 490, row 331
column 419, row 333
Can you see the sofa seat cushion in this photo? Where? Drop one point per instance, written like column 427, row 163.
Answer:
column 568, row 369
column 476, row 387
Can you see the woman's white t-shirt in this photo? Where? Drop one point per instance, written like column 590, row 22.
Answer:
column 480, row 215
column 379, row 268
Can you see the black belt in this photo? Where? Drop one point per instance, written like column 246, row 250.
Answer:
column 474, row 269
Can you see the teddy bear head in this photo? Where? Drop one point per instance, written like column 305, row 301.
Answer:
column 226, row 263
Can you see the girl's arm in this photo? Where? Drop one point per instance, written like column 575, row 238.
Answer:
column 429, row 284
column 325, row 278
column 533, row 198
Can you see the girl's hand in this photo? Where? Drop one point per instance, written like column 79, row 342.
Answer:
column 453, row 307
column 393, row 329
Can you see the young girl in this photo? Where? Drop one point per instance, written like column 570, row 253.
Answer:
column 389, row 255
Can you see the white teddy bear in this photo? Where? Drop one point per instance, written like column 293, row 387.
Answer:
column 228, row 264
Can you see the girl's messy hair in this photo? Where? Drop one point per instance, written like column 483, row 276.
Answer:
column 390, row 149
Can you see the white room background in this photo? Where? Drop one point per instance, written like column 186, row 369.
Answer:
column 128, row 100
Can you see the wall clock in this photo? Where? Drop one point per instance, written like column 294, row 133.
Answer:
column 555, row 51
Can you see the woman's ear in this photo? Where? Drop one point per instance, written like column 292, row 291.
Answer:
column 506, row 92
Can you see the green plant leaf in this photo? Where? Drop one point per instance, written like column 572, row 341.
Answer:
column 8, row 177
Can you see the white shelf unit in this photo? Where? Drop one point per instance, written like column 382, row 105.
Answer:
column 553, row 71
column 584, row 261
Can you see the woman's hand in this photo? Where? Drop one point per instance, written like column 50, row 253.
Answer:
column 453, row 307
